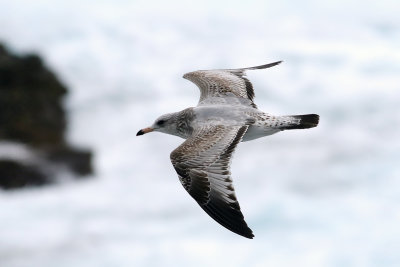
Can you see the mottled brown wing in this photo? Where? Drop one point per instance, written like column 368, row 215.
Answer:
column 203, row 166
column 225, row 82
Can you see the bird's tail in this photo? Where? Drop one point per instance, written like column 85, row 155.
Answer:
column 303, row 122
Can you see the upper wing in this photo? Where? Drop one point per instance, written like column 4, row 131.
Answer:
column 225, row 82
column 203, row 166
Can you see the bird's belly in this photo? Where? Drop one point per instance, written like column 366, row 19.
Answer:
column 255, row 132
column 223, row 114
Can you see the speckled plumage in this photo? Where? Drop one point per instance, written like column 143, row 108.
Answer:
column 224, row 116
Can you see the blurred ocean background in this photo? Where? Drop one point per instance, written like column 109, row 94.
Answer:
column 328, row 196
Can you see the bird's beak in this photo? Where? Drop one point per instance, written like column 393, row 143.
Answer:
column 145, row 130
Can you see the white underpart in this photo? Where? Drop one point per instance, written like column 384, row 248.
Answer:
column 255, row 132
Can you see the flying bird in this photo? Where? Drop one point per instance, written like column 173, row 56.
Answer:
column 224, row 116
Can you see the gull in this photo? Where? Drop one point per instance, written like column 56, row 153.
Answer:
column 224, row 116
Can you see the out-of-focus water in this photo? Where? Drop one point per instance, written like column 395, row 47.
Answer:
column 328, row 196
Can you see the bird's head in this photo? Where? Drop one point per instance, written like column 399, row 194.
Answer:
column 165, row 124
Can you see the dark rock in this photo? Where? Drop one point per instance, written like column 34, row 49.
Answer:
column 76, row 159
column 31, row 113
column 30, row 101
column 16, row 175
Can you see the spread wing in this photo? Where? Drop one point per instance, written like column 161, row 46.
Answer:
column 225, row 82
column 203, row 166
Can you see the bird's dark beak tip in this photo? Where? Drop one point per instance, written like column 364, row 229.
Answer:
column 140, row 133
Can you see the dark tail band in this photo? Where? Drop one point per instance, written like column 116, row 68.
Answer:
column 306, row 121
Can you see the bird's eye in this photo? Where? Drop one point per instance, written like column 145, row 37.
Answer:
column 160, row 122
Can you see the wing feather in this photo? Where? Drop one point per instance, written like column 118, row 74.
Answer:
column 225, row 83
column 203, row 166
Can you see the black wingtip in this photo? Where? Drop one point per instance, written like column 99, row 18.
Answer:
column 231, row 219
column 248, row 233
column 269, row 65
column 249, row 236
